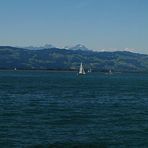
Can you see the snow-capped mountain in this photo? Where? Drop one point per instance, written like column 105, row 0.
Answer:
column 77, row 47
column 49, row 46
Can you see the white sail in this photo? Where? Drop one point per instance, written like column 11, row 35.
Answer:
column 110, row 71
column 81, row 70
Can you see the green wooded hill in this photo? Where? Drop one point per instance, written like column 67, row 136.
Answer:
column 63, row 59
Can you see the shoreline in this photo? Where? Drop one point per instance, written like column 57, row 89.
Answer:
column 60, row 70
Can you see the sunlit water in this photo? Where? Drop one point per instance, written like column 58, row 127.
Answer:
column 61, row 109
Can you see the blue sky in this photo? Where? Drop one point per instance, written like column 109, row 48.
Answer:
column 98, row 24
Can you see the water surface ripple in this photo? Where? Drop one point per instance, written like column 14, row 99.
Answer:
column 61, row 109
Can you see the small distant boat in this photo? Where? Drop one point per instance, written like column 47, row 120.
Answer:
column 89, row 70
column 81, row 70
column 110, row 71
column 14, row 68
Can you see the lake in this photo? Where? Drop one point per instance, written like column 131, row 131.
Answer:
column 61, row 109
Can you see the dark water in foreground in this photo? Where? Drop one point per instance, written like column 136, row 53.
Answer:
column 51, row 109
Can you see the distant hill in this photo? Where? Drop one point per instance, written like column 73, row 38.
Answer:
column 46, row 46
column 62, row 59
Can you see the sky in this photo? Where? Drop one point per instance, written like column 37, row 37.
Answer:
column 98, row 24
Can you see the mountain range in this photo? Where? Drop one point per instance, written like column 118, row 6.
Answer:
column 63, row 59
column 49, row 46
column 77, row 47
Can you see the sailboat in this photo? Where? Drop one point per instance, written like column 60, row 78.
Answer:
column 81, row 70
column 110, row 71
column 89, row 70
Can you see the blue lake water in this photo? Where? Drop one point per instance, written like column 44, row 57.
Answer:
column 61, row 109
